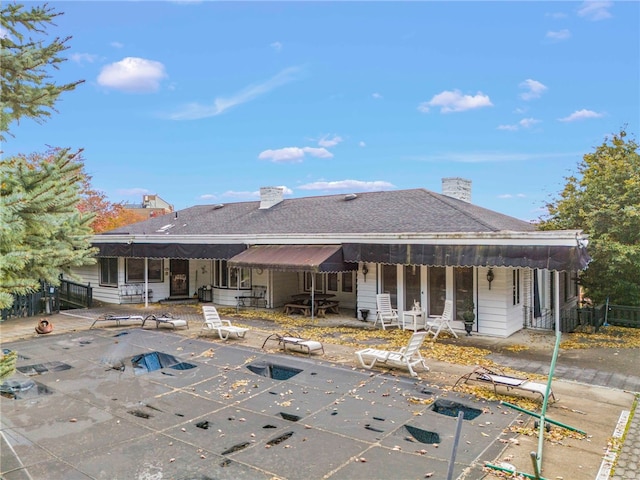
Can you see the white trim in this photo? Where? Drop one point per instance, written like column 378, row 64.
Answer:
column 569, row 238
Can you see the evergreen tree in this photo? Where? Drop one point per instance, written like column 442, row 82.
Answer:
column 603, row 199
column 25, row 83
column 42, row 233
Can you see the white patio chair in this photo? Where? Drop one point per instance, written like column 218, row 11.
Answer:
column 436, row 324
column 213, row 322
column 386, row 314
column 407, row 357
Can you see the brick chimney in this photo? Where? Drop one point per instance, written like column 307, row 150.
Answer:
column 457, row 187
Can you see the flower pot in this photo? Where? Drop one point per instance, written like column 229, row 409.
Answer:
column 468, row 326
column 44, row 326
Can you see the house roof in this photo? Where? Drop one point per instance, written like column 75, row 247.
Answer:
column 404, row 226
column 389, row 212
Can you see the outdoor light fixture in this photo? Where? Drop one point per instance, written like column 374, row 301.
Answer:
column 365, row 270
column 490, row 277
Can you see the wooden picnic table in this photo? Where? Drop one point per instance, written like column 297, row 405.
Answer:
column 322, row 303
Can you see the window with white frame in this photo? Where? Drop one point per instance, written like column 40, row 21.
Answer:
column 109, row 272
column 347, row 282
column 134, row 270
column 516, row 286
column 227, row 277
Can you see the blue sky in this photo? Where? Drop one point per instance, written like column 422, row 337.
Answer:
column 206, row 102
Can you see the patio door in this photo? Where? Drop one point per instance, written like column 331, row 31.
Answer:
column 412, row 290
column 179, row 280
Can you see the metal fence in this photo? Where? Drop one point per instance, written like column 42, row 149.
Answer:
column 584, row 318
column 50, row 299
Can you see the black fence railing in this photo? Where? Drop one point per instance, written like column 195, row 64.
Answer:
column 75, row 295
column 45, row 300
column 623, row 316
column 50, row 299
column 588, row 319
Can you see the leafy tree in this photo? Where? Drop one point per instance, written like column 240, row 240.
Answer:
column 27, row 90
column 107, row 215
column 603, row 199
column 42, row 231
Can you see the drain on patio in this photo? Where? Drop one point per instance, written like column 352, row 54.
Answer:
column 423, row 436
column 451, row 409
column 280, row 439
column 273, row 370
column 18, row 390
column 290, row 417
column 42, row 368
column 236, row 448
column 148, row 362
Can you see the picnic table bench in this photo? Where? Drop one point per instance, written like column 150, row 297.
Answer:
column 112, row 317
column 300, row 308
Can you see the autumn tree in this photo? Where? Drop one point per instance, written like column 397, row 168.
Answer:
column 26, row 63
column 603, row 199
column 106, row 215
column 42, row 234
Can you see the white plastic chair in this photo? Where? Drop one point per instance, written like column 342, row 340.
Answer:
column 386, row 314
column 213, row 322
column 407, row 357
column 436, row 324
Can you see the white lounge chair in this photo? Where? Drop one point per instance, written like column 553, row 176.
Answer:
column 436, row 324
column 496, row 378
column 213, row 322
column 386, row 314
column 407, row 357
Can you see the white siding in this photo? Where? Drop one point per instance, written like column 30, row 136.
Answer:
column 492, row 304
column 366, row 291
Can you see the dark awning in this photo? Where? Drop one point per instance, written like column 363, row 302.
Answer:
column 313, row 258
column 556, row 257
column 169, row 250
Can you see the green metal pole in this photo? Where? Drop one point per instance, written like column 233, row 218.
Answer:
column 537, row 415
column 508, row 470
column 546, row 398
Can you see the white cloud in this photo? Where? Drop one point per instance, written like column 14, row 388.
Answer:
column 329, row 142
column 277, row 46
column 534, row 89
column 559, row 35
column 455, row 101
column 196, row 111
column 595, row 10
column 251, row 195
column 510, row 195
column 349, row 185
column 132, row 74
column 362, row 144
column 377, row 96
column 208, row 196
column 4, row 33
column 117, row 44
column 524, row 123
column 581, row 115
column 83, row 57
column 293, row 154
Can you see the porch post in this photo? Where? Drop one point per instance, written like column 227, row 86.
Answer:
column 146, row 282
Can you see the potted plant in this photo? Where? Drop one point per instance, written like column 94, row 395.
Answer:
column 468, row 315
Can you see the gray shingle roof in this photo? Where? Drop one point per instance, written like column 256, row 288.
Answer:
column 400, row 211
